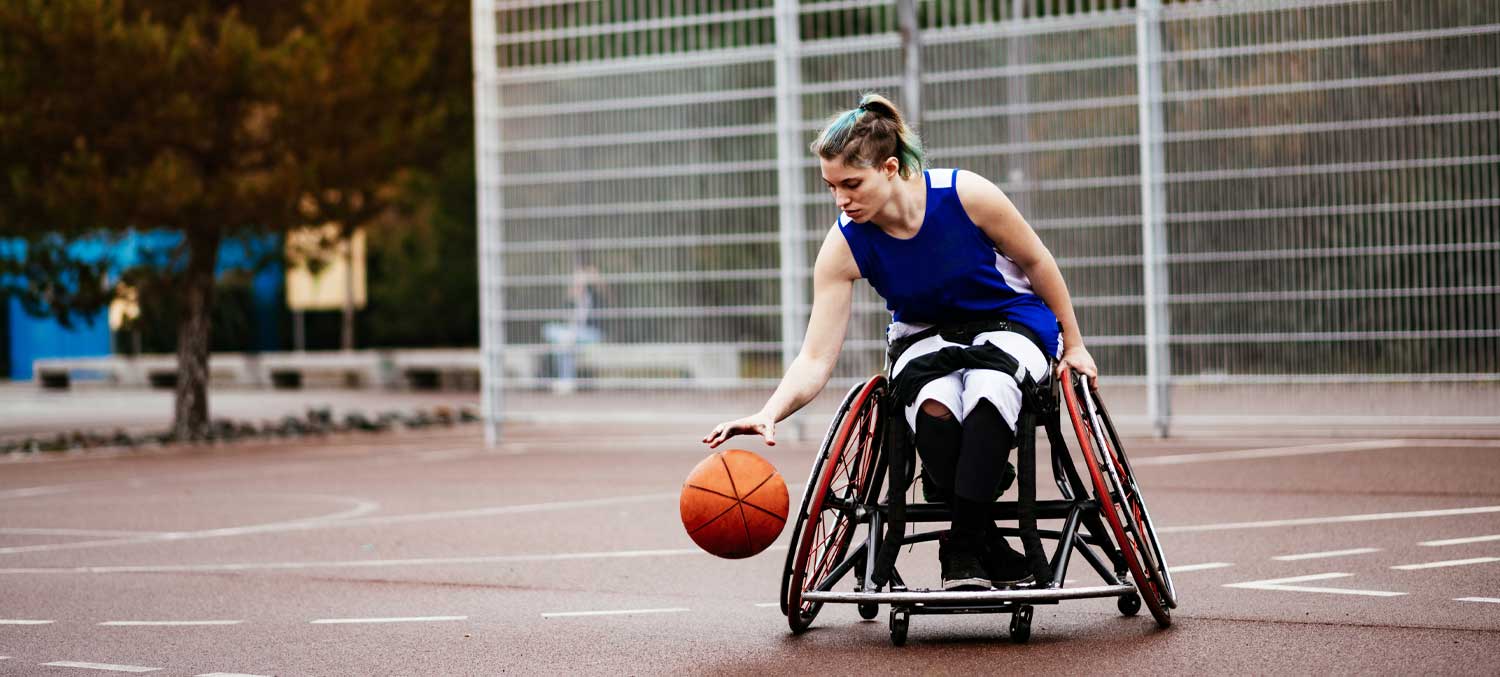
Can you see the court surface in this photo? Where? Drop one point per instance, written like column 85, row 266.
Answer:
column 423, row 553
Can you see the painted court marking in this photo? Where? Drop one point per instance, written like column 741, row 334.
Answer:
column 1198, row 567
column 409, row 619
column 612, row 612
column 1447, row 563
column 167, row 623
column 1269, row 452
column 1285, row 585
column 1489, row 600
column 1461, row 541
column 14, row 621
column 1336, row 519
column 100, row 666
column 1326, row 553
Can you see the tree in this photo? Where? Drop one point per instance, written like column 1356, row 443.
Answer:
column 209, row 119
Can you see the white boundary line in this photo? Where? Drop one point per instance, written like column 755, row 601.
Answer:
column 1337, row 519
column 1490, row 600
column 166, row 623
column 14, row 621
column 1326, row 553
column 1282, row 584
column 1268, row 452
column 612, row 612
column 1198, row 567
column 1446, row 563
column 100, row 666
column 1461, row 541
column 409, row 619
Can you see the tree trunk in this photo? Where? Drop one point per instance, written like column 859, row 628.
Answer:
column 347, row 335
column 190, row 415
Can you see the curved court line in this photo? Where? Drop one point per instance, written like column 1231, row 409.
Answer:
column 361, row 507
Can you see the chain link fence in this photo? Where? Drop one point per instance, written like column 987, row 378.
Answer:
column 1267, row 211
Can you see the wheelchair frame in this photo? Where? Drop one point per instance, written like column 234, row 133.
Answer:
column 868, row 448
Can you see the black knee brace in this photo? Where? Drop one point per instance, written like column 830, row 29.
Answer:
column 982, row 455
column 938, row 442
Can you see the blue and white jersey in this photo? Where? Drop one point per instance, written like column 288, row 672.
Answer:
column 949, row 271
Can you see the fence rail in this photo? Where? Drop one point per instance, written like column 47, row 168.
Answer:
column 1240, row 192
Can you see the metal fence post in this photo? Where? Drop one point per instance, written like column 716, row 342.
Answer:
column 789, row 188
column 1153, row 215
column 911, row 58
column 491, row 254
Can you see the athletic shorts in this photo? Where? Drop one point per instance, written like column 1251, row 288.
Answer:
column 962, row 390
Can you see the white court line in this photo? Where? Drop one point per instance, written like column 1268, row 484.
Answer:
column 253, row 566
column 1269, row 452
column 612, row 612
column 167, row 623
column 410, row 619
column 20, row 531
column 766, row 604
column 1446, row 563
column 34, row 491
column 1337, row 519
column 1198, row 567
column 13, row 621
column 1490, row 600
column 1461, row 541
column 100, row 666
column 337, row 520
column 1282, row 585
column 1326, row 553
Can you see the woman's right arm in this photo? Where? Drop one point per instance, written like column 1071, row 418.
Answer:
column 834, row 274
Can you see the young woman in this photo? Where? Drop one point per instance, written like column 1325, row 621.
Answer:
column 975, row 297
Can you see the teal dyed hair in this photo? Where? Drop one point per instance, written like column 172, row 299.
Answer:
column 867, row 135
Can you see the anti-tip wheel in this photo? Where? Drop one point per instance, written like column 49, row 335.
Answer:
column 900, row 619
column 1020, row 625
column 1129, row 604
column 869, row 610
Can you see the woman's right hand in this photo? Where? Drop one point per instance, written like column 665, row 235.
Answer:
column 757, row 423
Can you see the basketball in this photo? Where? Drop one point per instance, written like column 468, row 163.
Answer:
column 734, row 504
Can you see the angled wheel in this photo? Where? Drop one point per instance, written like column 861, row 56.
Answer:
column 1138, row 513
column 1120, row 500
column 843, row 478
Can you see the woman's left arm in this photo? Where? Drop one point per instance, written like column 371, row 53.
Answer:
column 997, row 216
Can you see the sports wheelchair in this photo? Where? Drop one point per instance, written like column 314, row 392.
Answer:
column 866, row 464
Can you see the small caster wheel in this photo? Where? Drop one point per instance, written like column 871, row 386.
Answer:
column 1020, row 625
column 1130, row 604
column 869, row 610
column 900, row 618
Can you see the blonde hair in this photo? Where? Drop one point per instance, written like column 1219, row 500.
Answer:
column 870, row 133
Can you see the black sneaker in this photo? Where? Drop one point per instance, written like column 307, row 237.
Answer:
column 1004, row 566
column 962, row 568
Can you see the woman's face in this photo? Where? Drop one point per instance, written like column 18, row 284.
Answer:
column 860, row 192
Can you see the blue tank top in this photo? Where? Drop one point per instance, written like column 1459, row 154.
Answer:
column 949, row 271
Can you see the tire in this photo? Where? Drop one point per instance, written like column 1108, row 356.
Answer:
column 845, row 474
column 869, row 610
column 900, row 623
column 1020, row 625
column 1119, row 501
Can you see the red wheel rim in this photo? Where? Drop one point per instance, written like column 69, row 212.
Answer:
column 850, row 460
column 1129, row 547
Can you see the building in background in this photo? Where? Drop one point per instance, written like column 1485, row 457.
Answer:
column 27, row 338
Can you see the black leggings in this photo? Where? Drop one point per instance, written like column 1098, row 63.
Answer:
column 967, row 459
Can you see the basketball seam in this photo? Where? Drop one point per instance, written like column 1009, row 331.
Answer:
column 746, row 498
column 749, row 540
column 768, row 512
column 715, row 518
column 711, row 491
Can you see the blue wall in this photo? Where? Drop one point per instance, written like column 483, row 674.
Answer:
column 32, row 338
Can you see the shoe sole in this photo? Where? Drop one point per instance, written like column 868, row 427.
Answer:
column 966, row 584
column 1019, row 581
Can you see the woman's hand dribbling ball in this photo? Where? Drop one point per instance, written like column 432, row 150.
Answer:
column 760, row 424
column 1078, row 358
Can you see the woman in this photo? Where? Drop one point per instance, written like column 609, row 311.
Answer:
column 974, row 295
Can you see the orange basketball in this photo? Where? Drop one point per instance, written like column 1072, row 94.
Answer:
column 734, row 504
